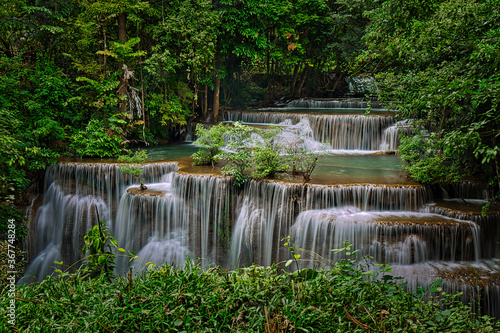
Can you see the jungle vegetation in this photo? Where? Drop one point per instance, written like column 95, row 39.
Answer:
column 91, row 77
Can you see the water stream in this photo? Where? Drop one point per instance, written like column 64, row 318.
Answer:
column 354, row 196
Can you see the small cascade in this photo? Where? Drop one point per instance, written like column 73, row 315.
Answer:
column 389, row 237
column 76, row 195
column 368, row 197
column 268, row 211
column 466, row 190
column 186, row 215
column 62, row 222
column 100, row 180
column 346, row 103
column 350, row 132
column 150, row 222
column 489, row 224
column 340, row 131
column 190, row 134
column 479, row 282
column 391, row 135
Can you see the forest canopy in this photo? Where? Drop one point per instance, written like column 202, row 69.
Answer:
column 89, row 77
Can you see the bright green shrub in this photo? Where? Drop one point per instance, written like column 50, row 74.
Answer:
column 96, row 141
column 210, row 140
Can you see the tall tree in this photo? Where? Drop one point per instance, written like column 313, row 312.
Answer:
column 438, row 61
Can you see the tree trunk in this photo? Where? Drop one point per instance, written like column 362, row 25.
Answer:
column 205, row 103
column 294, row 80
column 216, row 97
column 337, row 81
column 302, row 81
column 216, row 104
column 122, row 36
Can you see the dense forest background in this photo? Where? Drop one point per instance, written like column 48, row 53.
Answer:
column 89, row 77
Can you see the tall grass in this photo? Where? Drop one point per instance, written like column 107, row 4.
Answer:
column 253, row 299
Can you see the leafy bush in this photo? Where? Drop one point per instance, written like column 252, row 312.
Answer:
column 96, row 140
column 428, row 161
column 301, row 160
column 134, row 169
column 253, row 299
column 248, row 147
column 98, row 250
column 238, row 153
column 268, row 153
column 210, row 140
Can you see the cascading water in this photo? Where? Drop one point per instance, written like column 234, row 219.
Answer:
column 388, row 237
column 186, row 215
column 347, row 103
column 205, row 216
column 349, row 132
column 391, row 135
column 76, row 195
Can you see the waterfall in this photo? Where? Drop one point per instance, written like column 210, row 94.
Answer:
column 268, row 213
column 388, row 237
column 368, row 197
column 476, row 281
column 466, row 190
column 204, row 216
column 63, row 220
column 75, row 194
column 343, row 103
column 340, row 131
column 489, row 224
column 391, row 135
column 185, row 215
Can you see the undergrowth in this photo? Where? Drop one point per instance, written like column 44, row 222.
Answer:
column 254, row 299
column 345, row 298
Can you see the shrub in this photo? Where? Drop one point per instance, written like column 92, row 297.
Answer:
column 210, row 140
column 238, row 154
column 96, row 141
column 135, row 168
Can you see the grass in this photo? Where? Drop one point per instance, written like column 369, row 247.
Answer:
column 254, row 299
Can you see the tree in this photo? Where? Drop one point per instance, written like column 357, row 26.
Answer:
column 210, row 141
column 438, row 62
column 135, row 159
column 268, row 153
column 265, row 151
column 238, row 153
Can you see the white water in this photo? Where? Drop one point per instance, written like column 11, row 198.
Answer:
column 204, row 217
column 341, row 132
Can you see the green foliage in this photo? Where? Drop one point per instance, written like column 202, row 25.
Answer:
column 438, row 63
column 135, row 169
column 98, row 250
column 96, row 140
column 428, row 161
column 238, row 154
column 268, row 154
column 98, row 94
column 12, row 176
column 253, row 299
column 210, row 140
column 301, row 160
column 262, row 150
